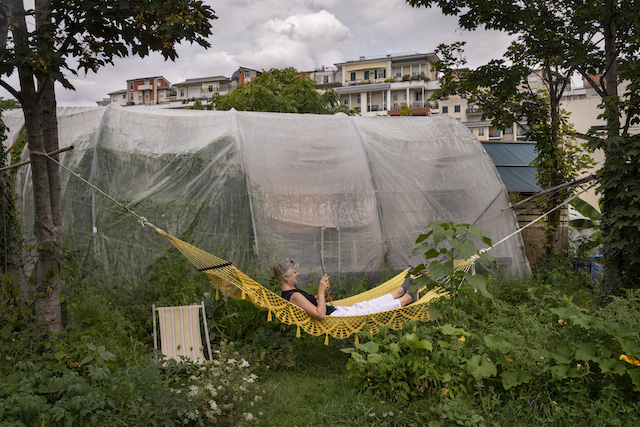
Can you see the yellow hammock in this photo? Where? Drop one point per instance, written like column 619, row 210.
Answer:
column 235, row 284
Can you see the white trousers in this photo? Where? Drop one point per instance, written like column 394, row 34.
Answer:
column 376, row 305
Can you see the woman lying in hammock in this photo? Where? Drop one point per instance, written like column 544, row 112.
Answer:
column 286, row 271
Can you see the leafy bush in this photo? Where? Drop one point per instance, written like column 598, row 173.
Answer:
column 530, row 355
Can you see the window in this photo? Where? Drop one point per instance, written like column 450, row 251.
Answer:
column 353, row 76
column 445, row 110
column 508, row 131
column 346, row 101
column 456, row 108
column 533, row 79
column 247, row 74
column 210, row 88
column 146, row 95
column 418, row 96
column 395, row 96
column 380, row 73
column 480, row 131
column 366, row 75
column 358, row 99
column 147, row 82
column 397, row 71
column 131, row 97
column 124, row 96
column 130, row 85
column 181, row 93
column 325, row 79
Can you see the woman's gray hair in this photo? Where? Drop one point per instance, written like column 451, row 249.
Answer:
column 284, row 267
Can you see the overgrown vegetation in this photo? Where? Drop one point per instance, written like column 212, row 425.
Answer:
column 545, row 350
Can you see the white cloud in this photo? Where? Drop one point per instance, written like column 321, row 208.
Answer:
column 301, row 34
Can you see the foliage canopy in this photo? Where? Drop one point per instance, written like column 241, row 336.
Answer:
column 280, row 91
column 599, row 40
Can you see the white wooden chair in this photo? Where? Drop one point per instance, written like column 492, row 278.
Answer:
column 180, row 334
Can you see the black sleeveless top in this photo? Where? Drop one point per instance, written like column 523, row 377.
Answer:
column 287, row 295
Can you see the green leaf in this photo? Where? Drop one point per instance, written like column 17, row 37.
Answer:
column 587, row 351
column 438, row 270
column 514, row 378
column 423, row 344
column 497, row 343
column 635, row 378
column 374, row 358
column 435, row 312
column 467, row 249
column 586, row 209
column 630, row 346
column 485, row 256
column 478, row 282
column 450, row 330
column 481, row 367
column 611, row 365
column 368, row 347
column 432, row 253
column 563, row 355
column 559, row 372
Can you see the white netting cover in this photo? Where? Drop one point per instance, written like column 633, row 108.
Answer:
column 253, row 188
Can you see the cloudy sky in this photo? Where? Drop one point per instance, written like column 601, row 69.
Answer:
column 304, row 34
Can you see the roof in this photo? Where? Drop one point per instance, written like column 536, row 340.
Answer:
column 147, row 78
column 197, row 80
column 399, row 58
column 117, row 92
column 513, row 162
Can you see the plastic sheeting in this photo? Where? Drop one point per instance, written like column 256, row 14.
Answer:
column 253, row 188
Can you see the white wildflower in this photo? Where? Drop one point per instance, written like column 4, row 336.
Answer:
column 231, row 361
column 248, row 416
column 244, row 364
column 258, row 398
column 193, row 390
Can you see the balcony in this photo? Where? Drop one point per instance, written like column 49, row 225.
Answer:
column 145, row 87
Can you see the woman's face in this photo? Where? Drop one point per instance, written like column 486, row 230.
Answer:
column 292, row 279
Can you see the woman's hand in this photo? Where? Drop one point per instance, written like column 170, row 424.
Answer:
column 323, row 286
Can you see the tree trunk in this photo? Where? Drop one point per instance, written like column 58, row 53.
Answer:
column 614, row 258
column 39, row 113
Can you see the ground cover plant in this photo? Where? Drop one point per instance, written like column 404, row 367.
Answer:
column 545, row 350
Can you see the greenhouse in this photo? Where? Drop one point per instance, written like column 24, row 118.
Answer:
column 346, row 194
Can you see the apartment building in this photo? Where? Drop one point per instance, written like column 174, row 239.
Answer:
column 324, row 77
column 471, row 116
column 202, row 88
column 119, row 97
column 243, row 75
column 148, row 90
column 381, row 85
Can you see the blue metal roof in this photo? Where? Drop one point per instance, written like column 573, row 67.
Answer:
column 513, row 162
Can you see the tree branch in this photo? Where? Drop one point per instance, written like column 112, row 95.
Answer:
column 11, row 90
